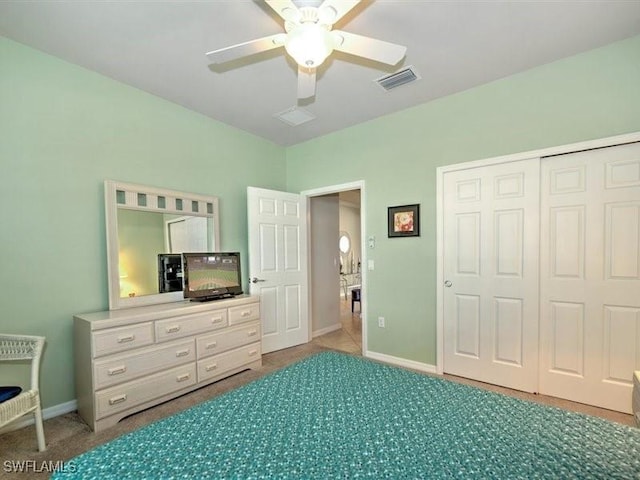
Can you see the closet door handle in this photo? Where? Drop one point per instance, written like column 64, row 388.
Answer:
column 447, row 283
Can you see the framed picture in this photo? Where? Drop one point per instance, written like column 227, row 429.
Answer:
column 404, row 221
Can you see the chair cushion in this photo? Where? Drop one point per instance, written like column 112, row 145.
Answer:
column 7, row 393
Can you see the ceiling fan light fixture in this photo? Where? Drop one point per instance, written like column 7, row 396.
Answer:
column 309, row 44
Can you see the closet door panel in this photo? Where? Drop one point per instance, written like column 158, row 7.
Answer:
column 491, row 219
column 590, row 276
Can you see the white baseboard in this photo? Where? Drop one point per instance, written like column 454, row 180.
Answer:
column 401, row 362
column 49, row 412
column 324, row 331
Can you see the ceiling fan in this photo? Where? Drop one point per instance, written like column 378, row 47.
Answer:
column 309, row 40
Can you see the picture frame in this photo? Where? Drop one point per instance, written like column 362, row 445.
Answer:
column 403, row 221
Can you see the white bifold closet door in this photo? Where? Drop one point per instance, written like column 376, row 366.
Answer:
column 590, row 276
column 491, row 298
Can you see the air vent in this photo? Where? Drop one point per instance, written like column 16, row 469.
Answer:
column 401, row 77
column 295, row 116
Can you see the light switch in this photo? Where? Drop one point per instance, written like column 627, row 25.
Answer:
column 370, row 264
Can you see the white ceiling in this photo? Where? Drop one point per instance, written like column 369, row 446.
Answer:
column 160, row 47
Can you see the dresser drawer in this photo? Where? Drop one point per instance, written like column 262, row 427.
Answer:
column 115, row 340
column 213, row 366
column 234, row 337
column 121, row 368
column 244, row 313
column 178, row 327
column 127, row 395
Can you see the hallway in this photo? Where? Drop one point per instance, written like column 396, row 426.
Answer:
column 349, row 337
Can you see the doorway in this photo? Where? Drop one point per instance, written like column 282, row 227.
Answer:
column 336, row 257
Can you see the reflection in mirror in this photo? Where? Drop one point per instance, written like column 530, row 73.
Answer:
column 149, row 249
column 147, row 231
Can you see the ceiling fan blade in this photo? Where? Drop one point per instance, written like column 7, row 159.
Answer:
column 333, row 10
column 371, row 48
column 306, row 82
column 285, row 8
column 245, row 49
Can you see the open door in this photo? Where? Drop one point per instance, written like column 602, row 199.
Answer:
column 278, row 266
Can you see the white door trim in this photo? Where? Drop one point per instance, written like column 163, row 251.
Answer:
column 343, row 187
column 440, row 172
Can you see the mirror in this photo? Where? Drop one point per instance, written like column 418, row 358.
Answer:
column 147, row 231
column 344, row 243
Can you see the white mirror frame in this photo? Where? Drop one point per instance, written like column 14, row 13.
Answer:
column 192, row 204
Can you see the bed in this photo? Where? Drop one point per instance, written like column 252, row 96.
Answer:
column 334, row 415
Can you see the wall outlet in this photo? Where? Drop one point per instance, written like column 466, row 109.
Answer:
column 381, row 322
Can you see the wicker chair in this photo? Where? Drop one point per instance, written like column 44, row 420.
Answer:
column 23, row 347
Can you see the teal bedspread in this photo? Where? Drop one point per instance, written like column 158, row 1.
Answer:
column 338, row 416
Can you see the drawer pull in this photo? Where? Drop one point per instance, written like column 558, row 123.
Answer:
column 213, row 366
column 183, row 377
column 173, row 329
column 246, row 314
column 118, row 399
column 211, row 345
column 252, row 332
column 117, row 370
column 216, row 320
column 126, row 338
column 182, row 353
column 252, row 352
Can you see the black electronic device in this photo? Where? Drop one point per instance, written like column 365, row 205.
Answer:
column 169, row 272
column 211, row 276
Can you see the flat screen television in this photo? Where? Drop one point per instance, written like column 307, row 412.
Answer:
column 211, row 276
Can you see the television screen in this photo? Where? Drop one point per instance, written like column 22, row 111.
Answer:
column 208, row 276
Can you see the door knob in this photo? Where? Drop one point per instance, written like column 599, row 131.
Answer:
column 256, row 280
column 447, row 283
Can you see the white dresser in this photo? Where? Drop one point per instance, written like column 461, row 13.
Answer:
column 131, row 359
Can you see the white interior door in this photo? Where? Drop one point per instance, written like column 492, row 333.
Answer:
column 590, row 276
column 490, row 221
column 278, row 265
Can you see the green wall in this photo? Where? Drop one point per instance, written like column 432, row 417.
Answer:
column 588, row 96
column 63, row 131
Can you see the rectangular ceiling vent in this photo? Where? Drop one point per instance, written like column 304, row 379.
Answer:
column 401, row 77
column 295, row 116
